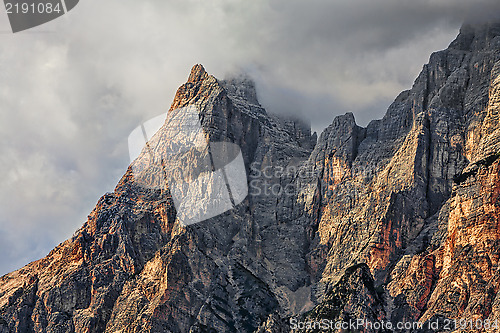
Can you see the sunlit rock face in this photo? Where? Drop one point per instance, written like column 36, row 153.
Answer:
column 397, row 221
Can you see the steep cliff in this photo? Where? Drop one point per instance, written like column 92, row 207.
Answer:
column 395, row 222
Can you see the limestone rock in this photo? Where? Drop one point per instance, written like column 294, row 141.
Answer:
column 397, row 221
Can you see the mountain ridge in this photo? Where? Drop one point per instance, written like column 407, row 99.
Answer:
column 397, row 221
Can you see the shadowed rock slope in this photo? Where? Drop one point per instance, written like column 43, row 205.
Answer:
column 398, row 221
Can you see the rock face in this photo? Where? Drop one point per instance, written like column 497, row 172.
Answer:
column 395, row 222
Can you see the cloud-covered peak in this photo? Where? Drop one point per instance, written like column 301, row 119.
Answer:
column 241, row 85
column 476, row 36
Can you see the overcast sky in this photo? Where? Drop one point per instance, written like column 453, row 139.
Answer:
column 73, row 89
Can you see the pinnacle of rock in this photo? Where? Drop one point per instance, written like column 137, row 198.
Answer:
column 198, row 73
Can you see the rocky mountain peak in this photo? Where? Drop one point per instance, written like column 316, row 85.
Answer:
column 198, row 73
column 196, row 90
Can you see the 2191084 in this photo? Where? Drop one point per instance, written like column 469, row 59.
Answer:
column 33, row 8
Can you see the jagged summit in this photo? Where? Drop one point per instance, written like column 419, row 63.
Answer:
column 198, row 73
column 198, row 82
column 474, row 37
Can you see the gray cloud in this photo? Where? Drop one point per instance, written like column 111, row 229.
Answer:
column 72, row 90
